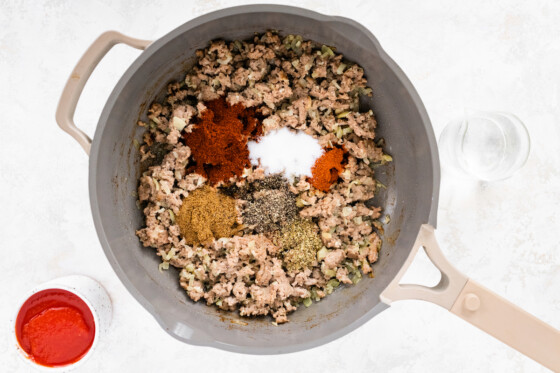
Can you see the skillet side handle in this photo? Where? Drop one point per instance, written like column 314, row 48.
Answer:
column 478, row 305
column 80, row 75
column 510, row 324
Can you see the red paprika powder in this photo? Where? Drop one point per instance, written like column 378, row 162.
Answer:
column 219, row 140
column 327, row 167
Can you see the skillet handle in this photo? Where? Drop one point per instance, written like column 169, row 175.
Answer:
column 80, row 75
column 445, row 292
column 478, row 306
column 510, row 324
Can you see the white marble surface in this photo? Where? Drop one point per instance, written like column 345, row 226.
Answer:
column 499, row 55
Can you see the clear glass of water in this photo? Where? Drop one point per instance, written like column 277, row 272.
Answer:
column 485, row 145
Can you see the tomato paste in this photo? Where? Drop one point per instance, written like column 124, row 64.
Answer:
column 55, row 327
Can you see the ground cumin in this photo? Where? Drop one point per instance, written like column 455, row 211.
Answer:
column 206, row 214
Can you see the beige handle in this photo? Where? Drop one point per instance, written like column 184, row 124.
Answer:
column 478, row 305
column 80, row 75
column 509, row 323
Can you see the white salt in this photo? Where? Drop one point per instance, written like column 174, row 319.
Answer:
column 293, row 153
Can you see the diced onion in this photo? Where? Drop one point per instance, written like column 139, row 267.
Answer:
column 322, row 254
column 163, row 265
column 178, row 123
column 340, row 68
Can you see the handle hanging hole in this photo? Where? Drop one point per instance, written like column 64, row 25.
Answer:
column 422, row 271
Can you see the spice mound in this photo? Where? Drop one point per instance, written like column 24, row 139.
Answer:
column 300, row 242
column 219, row 140
column 206, row 214
column 270, row 203
column 327, row 168
column 283, row 150
column 269, row 209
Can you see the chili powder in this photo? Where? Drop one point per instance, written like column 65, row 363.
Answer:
column 327, row 168
column 218, row 141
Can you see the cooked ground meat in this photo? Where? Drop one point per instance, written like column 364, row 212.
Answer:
column 290, row 83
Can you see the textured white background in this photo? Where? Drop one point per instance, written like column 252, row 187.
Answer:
column 499, row 55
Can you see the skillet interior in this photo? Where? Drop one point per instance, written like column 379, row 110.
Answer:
column 410, row 199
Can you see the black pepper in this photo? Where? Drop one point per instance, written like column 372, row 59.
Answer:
column 269, row 203
column 270, row 209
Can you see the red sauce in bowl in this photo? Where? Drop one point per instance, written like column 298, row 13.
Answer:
column 55, row 327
